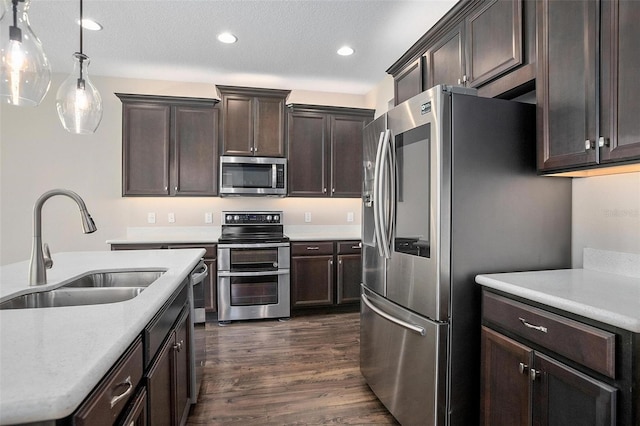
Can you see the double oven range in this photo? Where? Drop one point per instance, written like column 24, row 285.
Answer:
column 253, row 267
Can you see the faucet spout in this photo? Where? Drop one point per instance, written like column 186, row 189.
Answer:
column 39, row 262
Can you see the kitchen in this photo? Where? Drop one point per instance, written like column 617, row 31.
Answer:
column 37, row 155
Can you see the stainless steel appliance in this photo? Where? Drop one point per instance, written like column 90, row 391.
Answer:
column 197, row 333
column 253, row 176
column 253, row 267
column 450, row 191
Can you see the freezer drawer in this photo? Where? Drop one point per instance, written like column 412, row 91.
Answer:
column 403, row 359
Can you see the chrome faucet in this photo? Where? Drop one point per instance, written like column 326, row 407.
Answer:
column 40, row 255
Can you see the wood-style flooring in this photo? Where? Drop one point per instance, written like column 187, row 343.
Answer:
column 304, row 371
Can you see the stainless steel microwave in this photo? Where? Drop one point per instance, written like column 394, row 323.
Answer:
column 253, row 176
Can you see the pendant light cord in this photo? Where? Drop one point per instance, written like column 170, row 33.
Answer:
column 15, row 33
column 81, row 57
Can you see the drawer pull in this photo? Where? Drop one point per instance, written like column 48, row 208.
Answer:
column 118, row 398
column 523, row 368
column 313, row 248
column 534, row 374
column 535, row 327
column 356, row 247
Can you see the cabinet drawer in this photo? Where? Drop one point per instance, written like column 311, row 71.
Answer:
column 311, row 248
column 211, row 250
column 584, row 344
column 349, row 247
column 108, row 400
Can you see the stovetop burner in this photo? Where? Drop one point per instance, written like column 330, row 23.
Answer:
column 252, row 227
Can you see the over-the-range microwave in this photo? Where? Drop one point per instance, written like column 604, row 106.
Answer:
column 253, row 176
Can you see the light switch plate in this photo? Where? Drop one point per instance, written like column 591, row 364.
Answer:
column 208, row 217
column 151, row 218
column 350, row 217
column 171, row 217
column 307, row 216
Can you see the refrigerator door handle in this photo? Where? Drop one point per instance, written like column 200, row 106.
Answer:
column 377, row 196
column 412, row 327
column 392, row 189
column 386, row 199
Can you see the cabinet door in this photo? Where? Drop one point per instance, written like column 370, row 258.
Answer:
column 145, row 149
column 563, row 396
column 137, row 415
column 181, row 365
column 349, row 277
column 566, row 83
column 346, row 156
column 237, row 125
column 195, row 161
column 312, row 281
column 269, row 127
column 505, row 381
column 494, row 40
column 620, row 102
column 445, row 60
column 160, row 386
column 308, row 153
column 409, row 82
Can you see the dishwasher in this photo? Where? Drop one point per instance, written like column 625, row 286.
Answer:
column 198, row 353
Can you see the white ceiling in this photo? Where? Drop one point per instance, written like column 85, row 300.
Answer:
column 289, row 44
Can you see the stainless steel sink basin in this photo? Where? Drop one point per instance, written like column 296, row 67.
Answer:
column 92, row 289
column 72, row 297
column 110, row 279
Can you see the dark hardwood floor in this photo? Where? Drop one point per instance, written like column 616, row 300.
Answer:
column 304, row 371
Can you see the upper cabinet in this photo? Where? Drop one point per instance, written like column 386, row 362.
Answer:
column 489, row 45
column 587, row 84
column 325, row 150
column 253, row 121
column 169, row 145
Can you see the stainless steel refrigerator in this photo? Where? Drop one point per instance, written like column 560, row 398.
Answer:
column 450, row 191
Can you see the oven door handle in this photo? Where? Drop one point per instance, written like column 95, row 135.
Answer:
column 252, row 245
column 252, row 273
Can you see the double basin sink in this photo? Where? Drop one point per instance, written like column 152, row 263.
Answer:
column 91, row 289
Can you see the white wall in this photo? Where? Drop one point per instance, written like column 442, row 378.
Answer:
column 606, row 214
column 37, row 154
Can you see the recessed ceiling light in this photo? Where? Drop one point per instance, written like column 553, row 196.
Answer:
column 345, row 51
column 227, row 38
column 90, row 24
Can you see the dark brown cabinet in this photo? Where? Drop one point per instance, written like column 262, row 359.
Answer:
column 542, row 368
column 325, row 150
column 587, row 110
column 490, row 45
column 169, row 145
column 253, row 121
column 513, row 374
column 168, row 377
column 315, row 278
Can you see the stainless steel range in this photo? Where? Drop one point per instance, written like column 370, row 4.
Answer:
column 253, row 267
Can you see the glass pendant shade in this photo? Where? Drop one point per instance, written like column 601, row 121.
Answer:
column 78, row 101
column 25, row 72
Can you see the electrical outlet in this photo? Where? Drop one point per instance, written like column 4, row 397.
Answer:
column 151, row 218
column 208, row 217
column 307, row 216
column 171, row 217
column 350, row 217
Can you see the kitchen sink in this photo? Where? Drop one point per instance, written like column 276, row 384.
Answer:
column 111, row 279
column 64, row 296
column 95, row 288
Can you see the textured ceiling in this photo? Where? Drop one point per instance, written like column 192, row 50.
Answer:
column 282, row 44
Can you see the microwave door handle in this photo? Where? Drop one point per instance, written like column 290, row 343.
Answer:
column 274, row 176
column 377, row 196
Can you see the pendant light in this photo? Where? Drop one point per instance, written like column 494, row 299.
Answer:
column 25, row 73
column 78, row 102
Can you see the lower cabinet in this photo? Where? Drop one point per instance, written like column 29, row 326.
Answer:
column 168, row 377
column 514, row 374
column 540, row 367
column 325, row 273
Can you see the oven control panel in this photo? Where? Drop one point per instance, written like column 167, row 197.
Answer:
column 252, row 218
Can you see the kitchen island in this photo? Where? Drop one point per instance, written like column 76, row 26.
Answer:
column 52, row 358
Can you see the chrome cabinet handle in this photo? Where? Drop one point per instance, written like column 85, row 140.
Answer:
column 118, row 398
column 313, row 248
column 178, row 346
column 358, row 247
column 415, row 328
column 333, row 190
column 588, row 144
column 602, row 141
column 534, row 374
column 534, row 327
column 523, row 368
column 324, row 190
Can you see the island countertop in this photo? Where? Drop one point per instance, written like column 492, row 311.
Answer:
column 51, row 358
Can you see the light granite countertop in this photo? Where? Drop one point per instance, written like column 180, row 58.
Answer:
column 606, row 289
column 210, row 234
column 51, row 358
